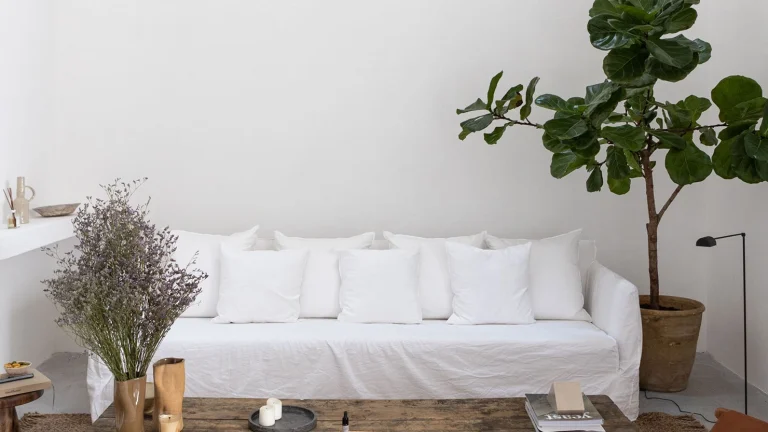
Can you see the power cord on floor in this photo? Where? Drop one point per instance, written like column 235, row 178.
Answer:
column 645, row 393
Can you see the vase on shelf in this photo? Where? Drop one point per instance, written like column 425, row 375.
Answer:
column 129, row 405
column 21, row 203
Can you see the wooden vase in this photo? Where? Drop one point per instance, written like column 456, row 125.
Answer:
column 169, row 390
column 129, row 405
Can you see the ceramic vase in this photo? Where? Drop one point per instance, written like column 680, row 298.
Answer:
column 21, row 203
column 169, row 390
column 129, row 405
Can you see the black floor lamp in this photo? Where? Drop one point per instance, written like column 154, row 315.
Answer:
column 710, row 242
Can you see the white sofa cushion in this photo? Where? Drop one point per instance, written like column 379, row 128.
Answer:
column 379, row 286
column 489, row 286
column 320, row 287
column 208, row 248
column 556, row 284
column 434, row 283
column 260, row 286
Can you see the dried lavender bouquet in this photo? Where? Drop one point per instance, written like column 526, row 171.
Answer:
column 119, row 291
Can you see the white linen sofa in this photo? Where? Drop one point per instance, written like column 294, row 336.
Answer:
column 329, row 359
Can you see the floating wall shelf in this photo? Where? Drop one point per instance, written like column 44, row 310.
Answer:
column 37, row 233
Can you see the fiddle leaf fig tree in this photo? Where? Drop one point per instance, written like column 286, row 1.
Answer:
column 620, row 127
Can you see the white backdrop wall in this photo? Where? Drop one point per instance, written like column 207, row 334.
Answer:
column 734, row 207
column 26, row 79
column 336, row 117
column 27, row 330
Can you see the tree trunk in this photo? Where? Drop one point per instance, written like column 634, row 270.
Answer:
column 652, row 228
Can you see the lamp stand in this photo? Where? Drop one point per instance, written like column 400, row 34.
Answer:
column 744, row 297
column 711, row 242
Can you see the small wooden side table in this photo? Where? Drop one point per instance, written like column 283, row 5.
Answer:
column 9, row 421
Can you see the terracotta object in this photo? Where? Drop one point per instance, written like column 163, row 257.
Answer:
column 734, row 421
column 57, row 210
column 129, row 405
column 169, row 381
column 669, row 343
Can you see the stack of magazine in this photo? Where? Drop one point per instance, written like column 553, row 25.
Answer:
column 546, row 419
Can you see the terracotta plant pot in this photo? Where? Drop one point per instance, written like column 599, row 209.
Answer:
column 669, row 343
column 169, row 379
column 129, row 405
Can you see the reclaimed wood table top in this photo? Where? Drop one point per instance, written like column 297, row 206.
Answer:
column 424, row 415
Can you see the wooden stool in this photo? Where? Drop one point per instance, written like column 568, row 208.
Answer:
column 9, row 421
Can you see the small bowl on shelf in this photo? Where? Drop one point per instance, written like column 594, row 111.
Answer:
column 17, row 367
column 57, row 210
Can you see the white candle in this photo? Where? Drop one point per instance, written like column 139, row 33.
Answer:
column 278, row 407
column 169, row 423
column 267, row 416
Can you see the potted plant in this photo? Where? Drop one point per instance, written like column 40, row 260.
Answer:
column 119, row 291
column 619, row 129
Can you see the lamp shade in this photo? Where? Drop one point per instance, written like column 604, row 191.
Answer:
column 706, row 242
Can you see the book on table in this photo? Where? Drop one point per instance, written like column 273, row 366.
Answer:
column 544, row 416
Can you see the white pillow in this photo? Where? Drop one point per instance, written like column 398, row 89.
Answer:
column 260, row 286
column 320, row 288
column 489, row 286
column 434, row 284
column 379, row 286
column 556, row 288
column 208, row 249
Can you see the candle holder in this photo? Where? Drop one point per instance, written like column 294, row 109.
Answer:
column 293, row 419
column 169, row 422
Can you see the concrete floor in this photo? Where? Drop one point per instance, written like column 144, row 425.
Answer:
column 711, row 386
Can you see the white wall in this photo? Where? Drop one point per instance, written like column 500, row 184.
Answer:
column 331, row 118
column 27, row 330
column 27, row 327
column 736, row 207
column 26, row 78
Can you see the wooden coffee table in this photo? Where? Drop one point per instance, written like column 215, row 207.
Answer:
column 451, row 415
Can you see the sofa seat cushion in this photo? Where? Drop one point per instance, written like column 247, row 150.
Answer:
column 325, row 358
column 330, row 359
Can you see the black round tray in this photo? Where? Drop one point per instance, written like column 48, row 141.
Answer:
column 295, row 419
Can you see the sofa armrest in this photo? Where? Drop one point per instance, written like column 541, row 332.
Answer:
column 615, row 308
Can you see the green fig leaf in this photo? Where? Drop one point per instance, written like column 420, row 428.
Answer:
column 475, row 106
column 595, row 180
column 688, row 166
column 565, row 163
column 627, row 137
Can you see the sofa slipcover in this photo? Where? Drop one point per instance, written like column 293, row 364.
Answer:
column 326, row 358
